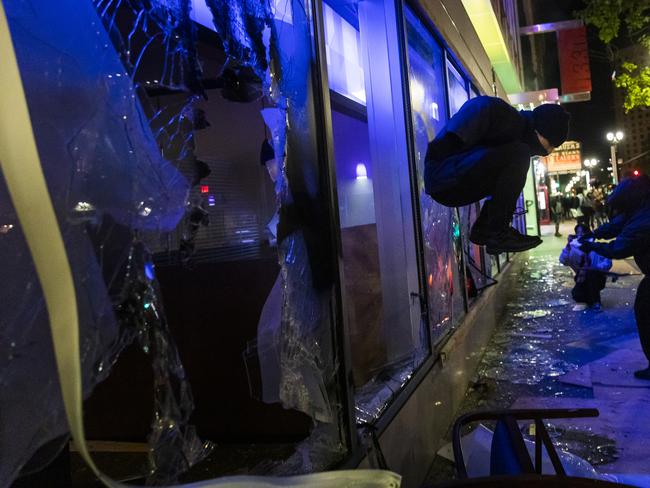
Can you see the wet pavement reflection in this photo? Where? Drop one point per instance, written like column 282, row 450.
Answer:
column 540, row 339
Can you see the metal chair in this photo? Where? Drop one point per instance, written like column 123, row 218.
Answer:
column 515, row 459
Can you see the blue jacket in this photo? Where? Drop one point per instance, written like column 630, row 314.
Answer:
column 632, row 233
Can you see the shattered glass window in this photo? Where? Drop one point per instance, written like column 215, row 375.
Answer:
column 440, row 225
column 194, row 223
column 112, row 190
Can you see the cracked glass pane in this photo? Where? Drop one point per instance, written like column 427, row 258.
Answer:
column 179, row 230
column 112, row 190
column 445, row 290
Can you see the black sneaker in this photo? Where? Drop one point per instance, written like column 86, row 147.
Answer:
column 510, row 240
column 642, row 374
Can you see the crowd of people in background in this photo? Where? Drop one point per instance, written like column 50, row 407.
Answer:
column 588, row 207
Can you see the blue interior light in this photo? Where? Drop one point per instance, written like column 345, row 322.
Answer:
column 362, row 172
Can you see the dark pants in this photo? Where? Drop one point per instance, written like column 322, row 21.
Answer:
column 588, row 216
column 642, row 314
column 588, row 291
column 557, row 219
column 497, row 172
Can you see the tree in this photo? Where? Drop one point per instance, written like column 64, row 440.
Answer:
column 624, row 28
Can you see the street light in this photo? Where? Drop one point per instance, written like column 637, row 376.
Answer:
column 589, row 164
column 614, row 138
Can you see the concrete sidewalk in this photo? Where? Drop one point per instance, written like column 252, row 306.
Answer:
column 545, row 355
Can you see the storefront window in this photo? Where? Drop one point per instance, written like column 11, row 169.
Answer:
column 197, row 229
column 258, row 289
column 344, row 62
column 476, row 275
column 457, row 89
column 458, row 95
column 440, row 224
column 381, row 289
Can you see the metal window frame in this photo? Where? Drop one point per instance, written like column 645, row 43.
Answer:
column 341, row 327
column 325, row 139
column 340, row 331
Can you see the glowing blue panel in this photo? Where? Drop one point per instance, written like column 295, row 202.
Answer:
column 344, row 62
column 457, row 89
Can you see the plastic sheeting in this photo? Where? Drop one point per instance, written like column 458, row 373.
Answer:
column 306, row 377
column 306, row 369
column 174, row 444
column 111, row 188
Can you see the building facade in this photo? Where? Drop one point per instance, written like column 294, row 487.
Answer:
column 242, row 200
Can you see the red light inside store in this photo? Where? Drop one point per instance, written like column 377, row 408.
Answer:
column 635, row 172
column 205, row 188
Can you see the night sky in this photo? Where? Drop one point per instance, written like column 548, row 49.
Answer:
column 591, row 120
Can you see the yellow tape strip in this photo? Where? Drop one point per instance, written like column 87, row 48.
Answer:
column 21, row 167
column 22, row 170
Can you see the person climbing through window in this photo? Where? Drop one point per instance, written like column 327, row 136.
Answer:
column 484, row 152
column 630, row 226
column 590, row 272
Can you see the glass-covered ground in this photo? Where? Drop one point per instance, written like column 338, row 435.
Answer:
column 545, row 355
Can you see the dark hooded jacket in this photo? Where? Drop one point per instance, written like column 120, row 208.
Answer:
column 481, row 122
column 485, row 121
column 630, row 227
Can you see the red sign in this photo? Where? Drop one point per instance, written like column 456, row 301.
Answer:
column 574, row 60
